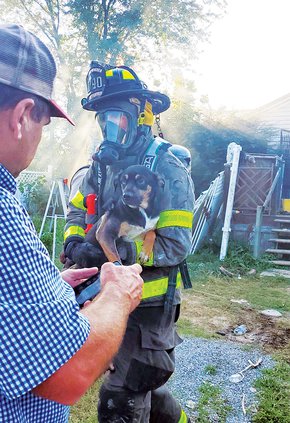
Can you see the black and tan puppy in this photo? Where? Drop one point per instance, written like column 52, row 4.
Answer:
column 133, row 215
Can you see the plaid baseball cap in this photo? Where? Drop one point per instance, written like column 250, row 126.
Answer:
column 27, row 64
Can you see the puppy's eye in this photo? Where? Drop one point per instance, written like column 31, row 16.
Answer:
column 140, row 181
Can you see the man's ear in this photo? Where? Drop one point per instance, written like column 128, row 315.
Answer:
column 21, row 117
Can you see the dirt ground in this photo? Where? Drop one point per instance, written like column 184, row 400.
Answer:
column 270, row 333
column 263, row 330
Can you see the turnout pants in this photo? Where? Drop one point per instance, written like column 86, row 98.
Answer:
column 134, row 392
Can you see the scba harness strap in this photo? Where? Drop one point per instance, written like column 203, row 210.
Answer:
column 157, row 147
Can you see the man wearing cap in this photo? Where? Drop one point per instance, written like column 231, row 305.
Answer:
column 50, row 352
column 124, row 109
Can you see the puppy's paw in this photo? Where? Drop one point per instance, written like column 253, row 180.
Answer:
column 143, row 257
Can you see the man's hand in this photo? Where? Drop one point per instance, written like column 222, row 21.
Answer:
column 108, row 315
column 85, row 254
column 76, row 276
column 125, row 280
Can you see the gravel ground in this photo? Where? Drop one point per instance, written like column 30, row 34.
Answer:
column 192, row 358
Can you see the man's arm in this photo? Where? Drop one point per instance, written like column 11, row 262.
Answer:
column 108, row 314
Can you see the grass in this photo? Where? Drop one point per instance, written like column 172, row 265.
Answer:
column 211, row 406
column 274, row 394
column 210, row 369
column 85, row 411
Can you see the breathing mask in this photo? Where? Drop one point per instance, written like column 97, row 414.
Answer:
column 119, row 129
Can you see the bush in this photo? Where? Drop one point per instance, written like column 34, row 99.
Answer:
column 34, row 195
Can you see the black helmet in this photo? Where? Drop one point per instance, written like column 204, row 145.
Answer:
column 105, row 82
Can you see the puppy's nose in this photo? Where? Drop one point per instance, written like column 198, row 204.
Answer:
column 127, row 196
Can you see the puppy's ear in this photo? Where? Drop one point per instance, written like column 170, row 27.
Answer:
column 117, row 178
column 160, row 182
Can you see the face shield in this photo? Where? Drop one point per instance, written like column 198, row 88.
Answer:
column 114, row 126
column 119, row 129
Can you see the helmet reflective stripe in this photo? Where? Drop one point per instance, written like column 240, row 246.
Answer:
column 126, row 74
column 119, row 73
column 109, row 73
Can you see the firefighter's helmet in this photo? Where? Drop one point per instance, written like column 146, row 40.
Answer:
column 106, row 83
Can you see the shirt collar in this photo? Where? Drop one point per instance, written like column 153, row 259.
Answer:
column 7, row 181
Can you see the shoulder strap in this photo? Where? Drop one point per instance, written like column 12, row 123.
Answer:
column 156, row 146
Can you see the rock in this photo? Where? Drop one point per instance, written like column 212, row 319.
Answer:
column 271, row 313
column 190, row 404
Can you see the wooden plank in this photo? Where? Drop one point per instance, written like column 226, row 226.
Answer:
column 283, row 240
column 277, row 251
column 282, row 220
column 284, row 230
column 281, row 262
column 281, row 216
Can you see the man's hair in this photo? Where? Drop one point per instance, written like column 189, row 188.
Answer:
column 10, row 96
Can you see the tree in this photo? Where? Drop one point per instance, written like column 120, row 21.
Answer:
column 114, row 28
column 150, row 35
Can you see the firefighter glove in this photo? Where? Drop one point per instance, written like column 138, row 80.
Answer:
column 85, row 254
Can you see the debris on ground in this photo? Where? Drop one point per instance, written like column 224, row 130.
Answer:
column 190, row 404
column 276, row 272
column 243, row 404
column 242, row 302
column 226, row 272
column 271, row 313
column 240, row 330
column 238, row 377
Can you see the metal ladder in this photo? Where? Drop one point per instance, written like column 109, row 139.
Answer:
column 58, row 196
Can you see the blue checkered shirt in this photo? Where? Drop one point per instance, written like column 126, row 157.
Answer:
column 40, row 326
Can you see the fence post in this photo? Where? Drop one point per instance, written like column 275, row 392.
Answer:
column 258, row 228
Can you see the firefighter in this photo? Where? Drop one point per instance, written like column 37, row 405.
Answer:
column 124, row 109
